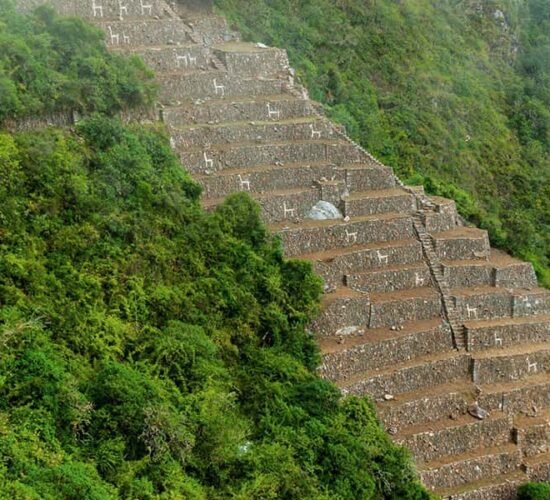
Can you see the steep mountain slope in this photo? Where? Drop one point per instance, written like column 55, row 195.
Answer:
column 452, row 94
column 148, row 349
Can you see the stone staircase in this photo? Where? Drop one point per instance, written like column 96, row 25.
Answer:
column 419, row 312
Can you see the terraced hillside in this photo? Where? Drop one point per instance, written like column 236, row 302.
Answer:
column 419, row 312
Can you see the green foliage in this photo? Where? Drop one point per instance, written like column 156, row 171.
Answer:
column 151, row 350
column 50, row 64
column 437, row 90
column 534, row 491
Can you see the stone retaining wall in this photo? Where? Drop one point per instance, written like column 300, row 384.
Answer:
column 512, row 367
column 390, row 280
column 424, row 410
column 464, row 248
column 427, row 446
column 521, row 400
column 534, row 440
column 262, row 62
column 475, row 469
column 367, row 178
column 378, row 354
column 147, row 32
column 216, row 186
column 342, row 315
column 399, row 203
column 281, row 207
column 214, row 85
column 194, row 137
column 237, row 111
column 412, row 378
column 302, row 240
column 396, row 311
column 487, row 337
column 183, row 58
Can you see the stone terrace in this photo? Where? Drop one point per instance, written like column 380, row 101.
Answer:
column 419, row 312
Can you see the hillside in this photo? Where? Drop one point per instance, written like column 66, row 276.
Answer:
column 452, row 95
column 151, row 349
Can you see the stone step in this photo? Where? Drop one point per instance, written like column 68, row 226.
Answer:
column 332, row 265
column 379, row 201
column 507, row 332
column 256, row 179
column 150, row 32
column 532, row 434
column 418, row 374
column 184, row 58
column 500, row 270
column 343, row 312
column 281, row 205
column 177, row 87
column 395, row 308
column 495, row 303
column 537, row 467
column 499, row 488
column 272, row 108
column 461, row 243
column 527, row 396
column 428, row 404
column 476, row 465
column 513, row 363
column 317, row 236
column 295, row 129
column 391, row 278
column 97, row 10
column 344, row 356
column 446, row 438
column 364, row 177
column 247, row 59
column 245, row 155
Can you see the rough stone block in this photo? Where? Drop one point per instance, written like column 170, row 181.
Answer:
column 468, row 274
column 324, row 235
column 390, row 280
column 539, row 470
column 375, row 202
column 422, row 374
column 458, row 438
column 376, row 349
column 437, row 222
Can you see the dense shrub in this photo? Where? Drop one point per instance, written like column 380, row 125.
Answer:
column 534, row 491
column 50, row 64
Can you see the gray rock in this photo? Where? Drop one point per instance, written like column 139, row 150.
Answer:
column 323, row 210
column 476, row 411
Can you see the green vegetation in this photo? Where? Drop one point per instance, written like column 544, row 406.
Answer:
column 151, row 350
column 439, row 91
column 51, row 64
column 534, row 491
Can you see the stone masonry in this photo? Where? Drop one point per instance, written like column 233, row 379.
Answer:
column 419, row 312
